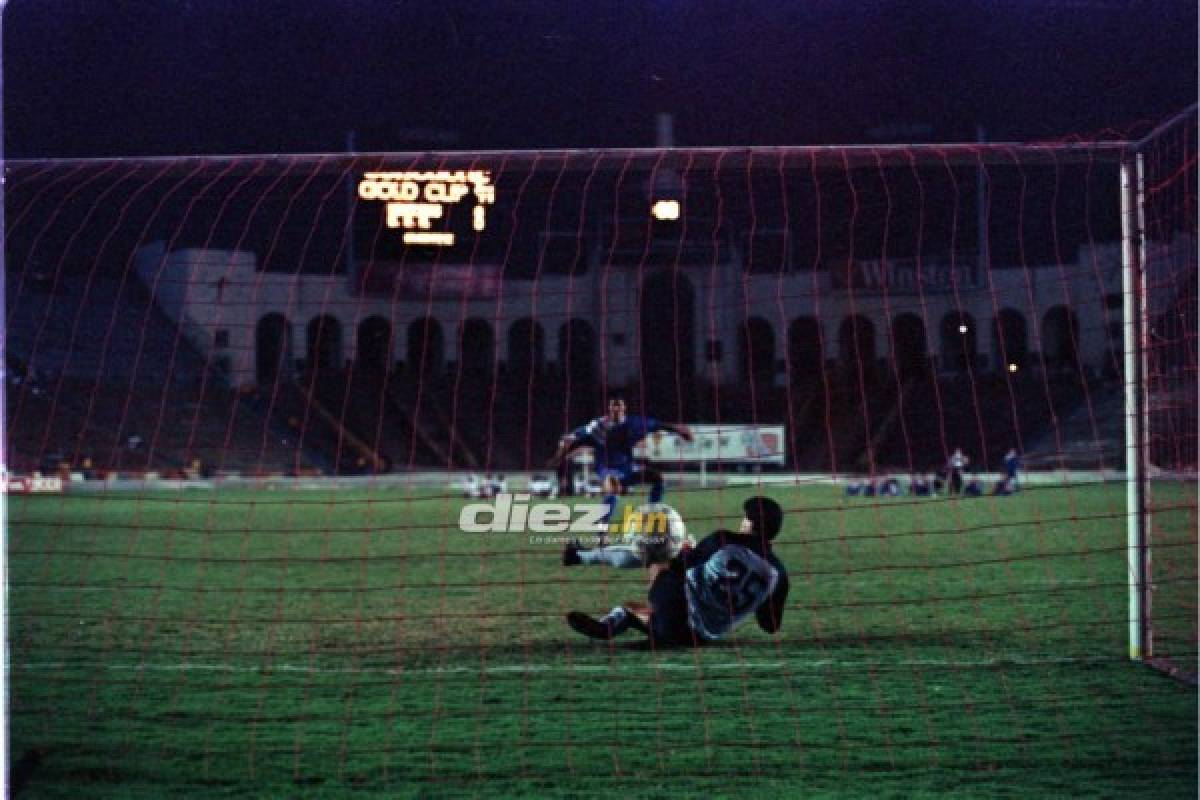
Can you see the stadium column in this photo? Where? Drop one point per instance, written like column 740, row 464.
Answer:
column 1133, row 290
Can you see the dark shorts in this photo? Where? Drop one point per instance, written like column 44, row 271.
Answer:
column 669, row 612
column 628, row 476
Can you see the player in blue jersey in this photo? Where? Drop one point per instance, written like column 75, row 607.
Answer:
column 706, row 592
column 612, row 439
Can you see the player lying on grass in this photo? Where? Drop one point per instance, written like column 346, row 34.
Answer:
column 612, row 439
column 654, row 534
column 706, row 592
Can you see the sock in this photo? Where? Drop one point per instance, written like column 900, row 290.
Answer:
column 618, row 618
column 656, row 491
column 619, row 556
column 610, row 500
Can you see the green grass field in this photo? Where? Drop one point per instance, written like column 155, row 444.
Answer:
column 329, row 644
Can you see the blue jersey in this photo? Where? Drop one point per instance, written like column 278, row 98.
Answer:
column 613, row 443
column 1012, row 463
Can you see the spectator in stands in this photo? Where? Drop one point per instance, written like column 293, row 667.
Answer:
column 955, row 464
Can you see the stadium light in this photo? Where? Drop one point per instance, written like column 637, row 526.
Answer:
column 962, row 329
column 665, row 210
column 1012, row 367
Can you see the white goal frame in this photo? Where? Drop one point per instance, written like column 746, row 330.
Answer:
column 1135, row 327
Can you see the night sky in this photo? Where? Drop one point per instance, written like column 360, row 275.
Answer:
column 87, row 78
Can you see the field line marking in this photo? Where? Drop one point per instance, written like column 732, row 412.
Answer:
column 1015, row 660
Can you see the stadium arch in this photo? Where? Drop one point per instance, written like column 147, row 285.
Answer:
column 1060, row 338
column 805, row 351
column 476, row 347
column 374, row 345
column 272, row 349
column 756, row 350
column 577, row 360
column 426, row 347
column 666, row 346
column 856, row 343
column 324, row 352
column 959, row 341
column 1009, row 339
column 577, row 350
column 910, row 349
column 526, row 347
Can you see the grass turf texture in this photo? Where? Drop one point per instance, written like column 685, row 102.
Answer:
column 327, row 644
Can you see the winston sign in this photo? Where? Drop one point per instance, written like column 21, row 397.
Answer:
column 907, row 276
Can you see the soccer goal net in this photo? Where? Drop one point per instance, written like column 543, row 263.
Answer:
column 284, row 512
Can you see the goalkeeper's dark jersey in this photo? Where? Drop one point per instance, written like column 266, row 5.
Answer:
column 728, row 577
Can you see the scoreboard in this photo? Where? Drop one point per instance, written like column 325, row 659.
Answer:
column 423, row 204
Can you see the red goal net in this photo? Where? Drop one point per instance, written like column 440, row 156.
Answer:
column 254, row 402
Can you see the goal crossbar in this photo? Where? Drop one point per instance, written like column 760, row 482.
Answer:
column 839, row 156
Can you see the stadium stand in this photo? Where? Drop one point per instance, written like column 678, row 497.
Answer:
column 114, row 386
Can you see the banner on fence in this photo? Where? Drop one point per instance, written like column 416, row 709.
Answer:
column 746, row 444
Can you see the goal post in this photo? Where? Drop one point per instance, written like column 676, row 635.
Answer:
column 1158, row 271
column 1133, row 289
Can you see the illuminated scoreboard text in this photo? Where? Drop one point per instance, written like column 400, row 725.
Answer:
column 413, row 200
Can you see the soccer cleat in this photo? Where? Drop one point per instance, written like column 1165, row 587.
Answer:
column 589, row 626
column 570, row 556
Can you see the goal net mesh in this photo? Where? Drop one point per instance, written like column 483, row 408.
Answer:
column 249, row 399
column 1169, row 359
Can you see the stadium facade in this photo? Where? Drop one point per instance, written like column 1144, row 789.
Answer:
column 728, row 322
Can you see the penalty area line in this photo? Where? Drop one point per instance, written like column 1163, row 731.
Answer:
column 502, row 669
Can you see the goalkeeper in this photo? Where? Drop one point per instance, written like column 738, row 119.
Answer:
column 705, row 593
